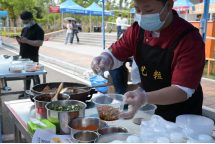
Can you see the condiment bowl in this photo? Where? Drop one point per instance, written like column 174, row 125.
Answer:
column 84, row 122
column 84, row 137
column 111, row 129
column 111, row 137
column 109, row 106
column 41, row 112
column 61, row 119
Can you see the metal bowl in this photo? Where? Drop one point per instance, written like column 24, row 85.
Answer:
column 84, row 122
column 41, row 112
column 111, row 129
column 85, row 137
column 61, row 119
column 111, row 137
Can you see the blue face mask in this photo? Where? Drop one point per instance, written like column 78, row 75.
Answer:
column 27, row 25
column 151, row 22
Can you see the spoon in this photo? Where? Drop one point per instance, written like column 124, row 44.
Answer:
column 55, row 98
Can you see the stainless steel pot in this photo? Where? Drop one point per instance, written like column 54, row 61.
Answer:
column 61, row 119
column 111, row 137
column 111, row 129
column 85, row 137
column 41, row 112
column 84, row 122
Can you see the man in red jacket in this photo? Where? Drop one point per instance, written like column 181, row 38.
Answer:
column 170, row 55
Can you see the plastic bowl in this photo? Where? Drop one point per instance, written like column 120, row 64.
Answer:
column 109, row 106
column 200, row 124
column 144, row 113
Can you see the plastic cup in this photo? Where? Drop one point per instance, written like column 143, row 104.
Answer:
column 144, row 113
column 200, row 124
column 109, row 106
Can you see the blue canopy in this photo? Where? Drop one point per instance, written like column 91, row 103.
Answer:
column 71, row 7
column 3, row 13
column 181, row 3
column 132, row 10
column 96, row 10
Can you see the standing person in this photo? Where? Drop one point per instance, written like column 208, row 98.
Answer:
column 69, row 31
column 199, row 17
column 213, row 17
column 118, row 26
column 75, row 32
column 32, row 38
column 170, row 55
column 124, row 22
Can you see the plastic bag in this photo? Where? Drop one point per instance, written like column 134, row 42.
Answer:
column 98, row 80
column 88, row 74
column 5, row 64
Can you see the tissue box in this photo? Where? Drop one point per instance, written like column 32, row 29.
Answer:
column 42, row 124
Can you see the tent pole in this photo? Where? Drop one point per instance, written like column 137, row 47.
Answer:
column 54, row 23
column 90, row 21
column 204, row 21
column 130, row 18
column 48, row 18
column 8, row 31
column 97, row 21
column 1, row 28
column 103, row 23
column 62, row 20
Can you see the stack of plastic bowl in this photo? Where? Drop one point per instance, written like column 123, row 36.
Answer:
column 200, row 124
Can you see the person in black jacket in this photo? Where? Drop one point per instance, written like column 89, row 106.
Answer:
column 32, row 37
column 75, row 32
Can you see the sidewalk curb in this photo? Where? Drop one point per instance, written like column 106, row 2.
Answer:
column 208, row 112
column 63, row 64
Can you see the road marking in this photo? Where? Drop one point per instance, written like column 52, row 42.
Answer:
column 58, row 70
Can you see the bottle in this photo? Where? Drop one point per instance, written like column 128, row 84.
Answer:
column 38, row 68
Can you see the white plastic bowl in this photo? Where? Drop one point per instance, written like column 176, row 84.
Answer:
column 200, row 124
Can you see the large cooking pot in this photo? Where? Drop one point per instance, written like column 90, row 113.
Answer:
column 83, row 96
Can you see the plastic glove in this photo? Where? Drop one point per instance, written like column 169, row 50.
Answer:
column 101, row 63
column 135, row 99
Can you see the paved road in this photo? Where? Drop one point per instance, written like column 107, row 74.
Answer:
column 52, row 76
column 77, row 54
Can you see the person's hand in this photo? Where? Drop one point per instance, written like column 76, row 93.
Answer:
column 23, row 40
column 135, row 99
column 101, row 63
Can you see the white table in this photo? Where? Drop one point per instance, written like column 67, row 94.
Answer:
column 20, row 111
column 21, row 76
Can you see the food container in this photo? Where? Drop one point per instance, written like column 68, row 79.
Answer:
column 111, row 137
column 144, row 113
column 200, row 124
column 30, row 67
column 40, row 103
column 84, row 122
column 85, row 137
column 61, row 119
column 111, row 129
column 16, row 67
column 109, row 106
